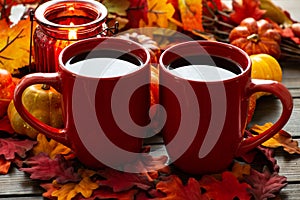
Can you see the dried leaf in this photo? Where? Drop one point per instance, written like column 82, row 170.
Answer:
column 191, row 14
column 227, row 189
column 246, row 8
column 116, row 6
column 239, row 170
column 5, row 125
column 174, row 189
column 122, row 181
column 4, row 165
column 159, row 13
column 43, row 168
column 50, row 148
column 49, row 187
column 137, row 11
column 281, row 139
column 10, row 147
column 105, row 193
column 148, row 164
column 85, row 187
column 269, row 156
column 14, row 39
column 265, row 185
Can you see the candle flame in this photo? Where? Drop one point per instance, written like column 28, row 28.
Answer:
column 72, row 33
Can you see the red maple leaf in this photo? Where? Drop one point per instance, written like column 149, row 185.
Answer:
column 227, row 189
column 137, row 10
column 248, row 8
column 44, row 168
column 5, row 125
column 174, row 189
column 10, row 147
column 106, row 193
column 121, row 181
column 265, row 185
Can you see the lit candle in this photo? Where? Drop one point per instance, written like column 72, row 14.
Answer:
column 62, row 22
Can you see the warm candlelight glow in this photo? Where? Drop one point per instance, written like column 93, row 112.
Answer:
column 72, row 33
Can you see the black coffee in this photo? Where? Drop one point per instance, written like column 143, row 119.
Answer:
column 103, row 63
column 204, row 68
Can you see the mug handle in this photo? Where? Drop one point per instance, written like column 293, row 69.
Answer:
column 52, row 79
column 279, row 90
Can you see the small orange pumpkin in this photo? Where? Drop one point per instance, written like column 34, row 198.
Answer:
column 256, row 37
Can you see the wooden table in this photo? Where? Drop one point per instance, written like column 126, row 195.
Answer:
column 18, row 186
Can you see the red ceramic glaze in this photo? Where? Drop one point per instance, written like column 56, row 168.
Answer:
column 88, row 106
column 205, row 121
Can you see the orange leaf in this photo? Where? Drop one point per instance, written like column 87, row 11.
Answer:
column 174, row 189
column 281, row 139
column 240, row 169
column 14, row 45
column 227, row 189
column 51, row 148
column 69, row 190
column 191, row 14
column 159, row 13
column 4, row 165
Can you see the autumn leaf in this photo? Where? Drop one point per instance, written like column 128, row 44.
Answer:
column 105, row 193
column 69, row 190
column 269, row 156
column 10, row 147
column 191, row 14
column 51, row 148
column 281, row 139
column 116, row 6
column 4, row 165
column 174, row 189
column 49, row 187
column 137, row 11
column 14, row 45
column 5, row 125
column 43, row 168
column 159, row 13
column 246, row 8
column 227, row 189
column 239, row 170
column 265, row 185
column 121, row 181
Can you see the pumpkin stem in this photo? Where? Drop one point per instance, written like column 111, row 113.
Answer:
column 253, row 38
column 45, row 87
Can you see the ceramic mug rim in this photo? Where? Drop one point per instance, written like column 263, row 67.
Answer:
column 85, row 45
column 245, row 67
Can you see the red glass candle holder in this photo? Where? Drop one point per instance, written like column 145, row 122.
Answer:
column 62, row 22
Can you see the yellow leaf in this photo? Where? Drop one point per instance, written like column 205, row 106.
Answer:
column 14, row 45
column 69, row 190
column 281, row 139
column 51, row 148
column 240, row 169
column 159, row 13
column 191, row 14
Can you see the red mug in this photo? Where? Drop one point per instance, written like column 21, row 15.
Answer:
column 205, row 107
column 104, row 83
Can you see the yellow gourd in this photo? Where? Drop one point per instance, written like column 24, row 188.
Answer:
column 44, row 103
column 265, row 67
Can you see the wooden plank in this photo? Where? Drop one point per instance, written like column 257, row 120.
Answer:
column 17, row 183
column 268, row 109
column 291, row 192
column 289, row 164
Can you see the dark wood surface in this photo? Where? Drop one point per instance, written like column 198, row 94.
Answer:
column 17, row 185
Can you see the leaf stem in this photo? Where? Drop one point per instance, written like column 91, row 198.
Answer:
column 12, row 41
